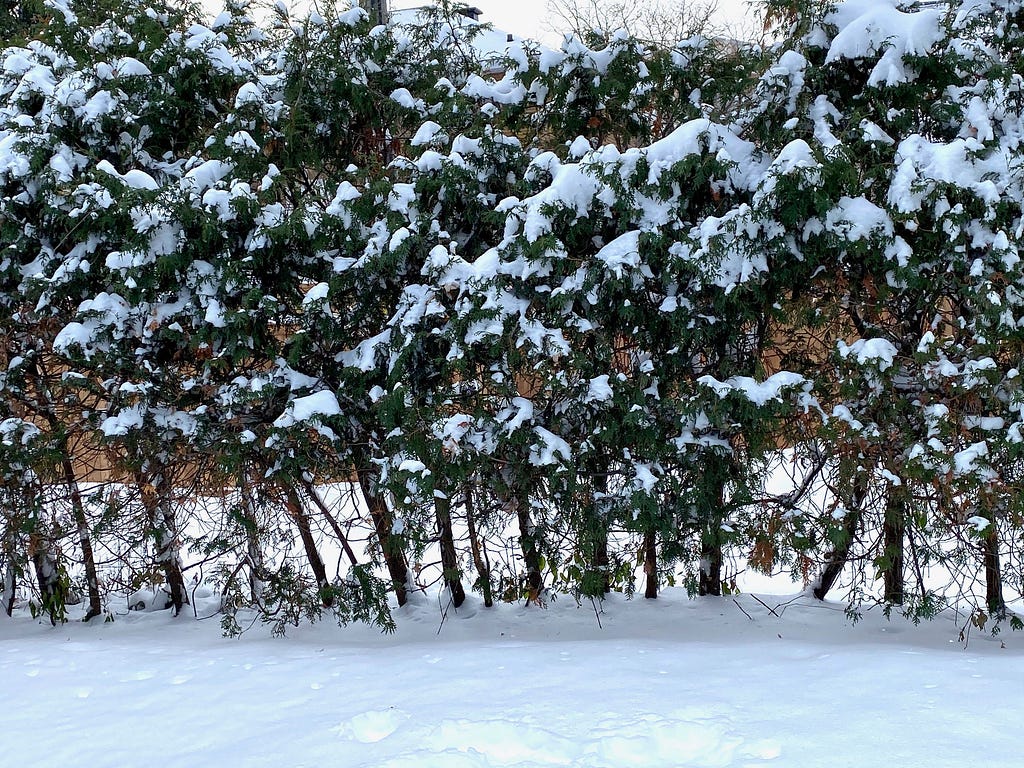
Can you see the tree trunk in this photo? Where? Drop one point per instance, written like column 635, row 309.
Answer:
column 449, row 556
column 650, row 565
column 893, row 530
column 257, row 586
column 836, row 560
column 483, row 568
column 710, row 577
column 78, row 510
column 312, row 495
column 58, row 429
column 257, row 566
column 84, row 537
column 52, row 590
column 10, row 575
column 316, row 563
column 390, row 545
column 531, row 553
column 601, row 561
column 993, row 576
column 378, row 10
column 10, row 586
column 164, row 526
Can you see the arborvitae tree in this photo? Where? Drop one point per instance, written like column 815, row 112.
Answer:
column 66, row 123
column 903, row 142
column 439, row 393
column 113, row 265
column 374, row 235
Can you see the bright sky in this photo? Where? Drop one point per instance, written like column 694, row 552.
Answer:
column 529, row 18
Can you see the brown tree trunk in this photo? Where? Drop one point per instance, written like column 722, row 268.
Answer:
column 449, row 556
column 10, row 575
column 10, row 586
column 78, row 511
column 483, row 568
column 164, row 526
column 313, row 496
column 257, row 566
column 84, row 537
column 993, row 575
column 710, row 577
column 58, row 429
column 390, row 546
column 709, row 580
column 650, row 565
column 316, row 563
column 531, row 553
column 837, row 559
column 601, row 561
column 893, row 531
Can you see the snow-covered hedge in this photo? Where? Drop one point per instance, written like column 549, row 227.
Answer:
column 549, row 326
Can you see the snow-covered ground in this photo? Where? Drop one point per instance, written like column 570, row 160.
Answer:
column 668, row 683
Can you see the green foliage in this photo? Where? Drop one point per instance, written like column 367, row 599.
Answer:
column 547, row 308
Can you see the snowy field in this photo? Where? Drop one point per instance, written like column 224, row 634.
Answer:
column 671, row 683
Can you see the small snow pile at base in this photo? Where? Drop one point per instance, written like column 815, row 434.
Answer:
column 716, row 682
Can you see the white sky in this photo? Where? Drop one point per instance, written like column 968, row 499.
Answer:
column 529, row 18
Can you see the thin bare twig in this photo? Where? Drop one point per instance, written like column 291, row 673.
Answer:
column 741, row 608
column 769, row 608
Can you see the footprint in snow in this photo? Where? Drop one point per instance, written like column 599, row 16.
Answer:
column 659, row 741
column 140, row 675
column 372, row 726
